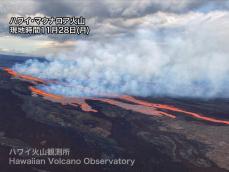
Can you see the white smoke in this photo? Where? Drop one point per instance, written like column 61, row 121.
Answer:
column 184, row 55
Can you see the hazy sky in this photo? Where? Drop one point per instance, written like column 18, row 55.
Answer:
column 107, row 19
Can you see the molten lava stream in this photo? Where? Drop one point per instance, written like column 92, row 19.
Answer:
column 74, row 102
column 21, row 76
column 44, row 94
column 126, row 106
column 138, row 106
column 174, row 109
column 63, row 100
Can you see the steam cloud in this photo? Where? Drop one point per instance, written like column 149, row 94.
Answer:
column 183, row 55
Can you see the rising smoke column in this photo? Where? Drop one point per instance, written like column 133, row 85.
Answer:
column 184, row 55
column 136, row 105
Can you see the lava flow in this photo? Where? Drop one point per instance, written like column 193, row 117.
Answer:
column 63, row 100
column 25, row 77
column 174, row 109
column 136, row 105
column 149, row 110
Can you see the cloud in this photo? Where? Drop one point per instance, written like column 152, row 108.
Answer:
column 169, row 55
column 134, row 8
column 106, row 18
column 102, row 10
column 33, row 47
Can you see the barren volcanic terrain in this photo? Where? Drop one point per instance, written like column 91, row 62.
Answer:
column 162, row 134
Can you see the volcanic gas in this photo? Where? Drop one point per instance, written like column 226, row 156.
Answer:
column 125, row 102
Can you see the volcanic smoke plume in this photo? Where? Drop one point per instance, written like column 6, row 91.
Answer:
column 124, row 102
column 181, row 56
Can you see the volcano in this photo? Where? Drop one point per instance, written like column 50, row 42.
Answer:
column 131, row 103
column 160, row 133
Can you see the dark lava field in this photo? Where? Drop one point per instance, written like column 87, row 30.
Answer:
column 158, row 144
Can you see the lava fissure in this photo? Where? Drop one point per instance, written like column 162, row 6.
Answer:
column 136, row 105
column 25, row 77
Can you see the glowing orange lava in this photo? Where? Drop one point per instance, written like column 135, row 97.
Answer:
column 44, row 94
column 136, row 108
column 174, row 109
column 63, row 100
column 25, row 77
column 148, row 108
